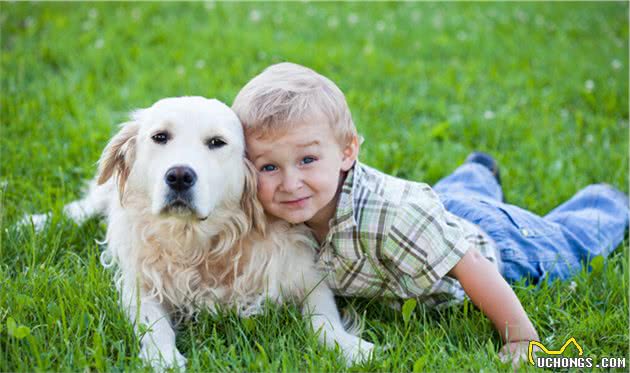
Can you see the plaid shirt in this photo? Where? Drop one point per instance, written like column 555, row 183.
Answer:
column 393, row 238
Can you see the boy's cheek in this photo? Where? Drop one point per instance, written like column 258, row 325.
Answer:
column 264, row 192
column 261, row 195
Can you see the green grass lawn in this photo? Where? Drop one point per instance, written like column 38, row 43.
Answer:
column 543, row 87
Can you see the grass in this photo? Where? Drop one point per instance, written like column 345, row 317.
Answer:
column 543, row 87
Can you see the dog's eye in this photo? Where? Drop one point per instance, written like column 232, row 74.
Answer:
column 215, row 143
column 160, row 137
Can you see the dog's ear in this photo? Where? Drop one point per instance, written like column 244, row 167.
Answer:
column 118, row 156
column 249, row 201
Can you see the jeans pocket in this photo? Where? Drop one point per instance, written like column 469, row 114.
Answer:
column 517, row 267
column 527, row 223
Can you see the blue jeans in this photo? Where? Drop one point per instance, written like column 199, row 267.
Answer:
column 591, row 223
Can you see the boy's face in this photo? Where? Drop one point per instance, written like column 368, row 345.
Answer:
column 299, row 172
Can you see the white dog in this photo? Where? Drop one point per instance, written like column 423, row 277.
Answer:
column 185, row 229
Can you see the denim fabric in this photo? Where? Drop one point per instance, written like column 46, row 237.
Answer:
column 591, row 223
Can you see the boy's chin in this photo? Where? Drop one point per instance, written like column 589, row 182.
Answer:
column 293, row 219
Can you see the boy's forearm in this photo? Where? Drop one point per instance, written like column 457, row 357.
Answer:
column 509, row 317
column 489, row 291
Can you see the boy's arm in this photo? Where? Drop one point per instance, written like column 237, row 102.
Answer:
column 489, row 291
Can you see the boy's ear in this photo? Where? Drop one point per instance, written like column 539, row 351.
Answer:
column 350, row 153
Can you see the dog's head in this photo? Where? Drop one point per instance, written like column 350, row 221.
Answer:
column 187, row 154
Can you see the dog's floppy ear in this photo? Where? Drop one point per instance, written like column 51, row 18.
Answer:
column 249, row 200
column 118, row 156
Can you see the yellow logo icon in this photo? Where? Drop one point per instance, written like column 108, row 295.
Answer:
column 530, row 349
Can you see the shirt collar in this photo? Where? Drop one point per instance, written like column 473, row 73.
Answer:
column 345, row 213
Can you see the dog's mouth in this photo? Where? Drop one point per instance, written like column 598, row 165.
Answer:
column 179, row 204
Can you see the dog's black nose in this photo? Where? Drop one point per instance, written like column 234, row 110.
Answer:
column 180, row 178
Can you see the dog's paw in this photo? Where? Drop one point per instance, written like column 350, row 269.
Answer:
column 180, row 361
column 162, row 359
column 38, row 221
column 358, row 352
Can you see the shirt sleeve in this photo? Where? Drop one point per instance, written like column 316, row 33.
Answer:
column 425, row 241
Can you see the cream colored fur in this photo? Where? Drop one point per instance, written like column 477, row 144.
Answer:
column 220, row 250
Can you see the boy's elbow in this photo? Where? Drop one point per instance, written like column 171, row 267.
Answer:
column 471, row 262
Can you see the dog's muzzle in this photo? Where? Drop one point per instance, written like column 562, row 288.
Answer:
column 180, row 180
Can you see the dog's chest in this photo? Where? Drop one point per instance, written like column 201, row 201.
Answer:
column 191, row 275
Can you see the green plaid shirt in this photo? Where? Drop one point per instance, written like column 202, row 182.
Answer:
column 393, row 238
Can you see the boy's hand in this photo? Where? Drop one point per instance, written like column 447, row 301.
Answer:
column 516, row 352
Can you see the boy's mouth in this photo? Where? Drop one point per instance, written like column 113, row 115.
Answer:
column 298, row 202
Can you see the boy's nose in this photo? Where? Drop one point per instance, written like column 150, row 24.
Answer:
column 291, row 182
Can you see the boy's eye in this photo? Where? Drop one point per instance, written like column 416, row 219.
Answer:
column 268, row 168
column 307, row 160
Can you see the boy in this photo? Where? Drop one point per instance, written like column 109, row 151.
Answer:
column 383, row 236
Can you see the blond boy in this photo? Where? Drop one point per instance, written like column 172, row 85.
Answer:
column 378, row 236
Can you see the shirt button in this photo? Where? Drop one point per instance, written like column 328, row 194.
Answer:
column 525, row 232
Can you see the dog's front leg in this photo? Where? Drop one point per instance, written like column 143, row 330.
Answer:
column 153, row 325
column 321, row 308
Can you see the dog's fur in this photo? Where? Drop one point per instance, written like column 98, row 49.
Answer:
column 178, row 250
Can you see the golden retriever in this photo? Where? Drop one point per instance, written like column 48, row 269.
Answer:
column 185, row 230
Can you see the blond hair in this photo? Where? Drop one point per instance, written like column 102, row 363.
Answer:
column 287, row 94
